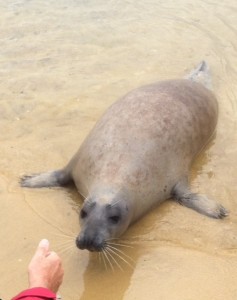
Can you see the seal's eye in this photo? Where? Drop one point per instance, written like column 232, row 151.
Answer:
column 114, row 219
column 83, row 214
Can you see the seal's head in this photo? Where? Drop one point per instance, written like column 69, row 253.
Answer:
column 103, row 217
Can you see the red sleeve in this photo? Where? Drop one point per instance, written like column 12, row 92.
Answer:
column 36, row 294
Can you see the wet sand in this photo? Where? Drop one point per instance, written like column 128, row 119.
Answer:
column 62, row 63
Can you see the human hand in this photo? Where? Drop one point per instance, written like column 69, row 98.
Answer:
column 45, row 269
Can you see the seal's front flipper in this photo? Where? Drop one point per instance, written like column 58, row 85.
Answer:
column 200, row 203
column 49, row 179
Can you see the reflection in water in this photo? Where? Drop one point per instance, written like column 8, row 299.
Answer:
column 61, row 65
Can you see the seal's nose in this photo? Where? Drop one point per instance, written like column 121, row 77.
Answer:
column 89, row 244
column 80, row 244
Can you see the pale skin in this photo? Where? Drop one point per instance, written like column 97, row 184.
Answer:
column 45, row 269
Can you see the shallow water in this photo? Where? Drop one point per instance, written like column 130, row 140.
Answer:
column 62, row 63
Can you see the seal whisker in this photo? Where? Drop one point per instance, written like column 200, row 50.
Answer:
column 115, row 203
column 88, row 201
column 64, row 235
column 121, row 252
column 122, row 258
column 65, row 250
column 108, row 240
column 120, row 244
column 65, row 239
column 104, row 259
column 118, row 238
column 108, row 252
column 106, row 256
column 82, row 194
column 65, row 242
column 88, row 192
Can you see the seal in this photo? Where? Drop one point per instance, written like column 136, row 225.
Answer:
column 138, row 155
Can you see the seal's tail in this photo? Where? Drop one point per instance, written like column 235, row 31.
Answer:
column 201, row 74
column 48, row 179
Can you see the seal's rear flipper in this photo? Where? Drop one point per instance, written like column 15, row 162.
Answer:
column 200, row 203
column 49, row 179
column 201, row 74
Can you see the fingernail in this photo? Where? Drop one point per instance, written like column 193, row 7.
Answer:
column 44, row 243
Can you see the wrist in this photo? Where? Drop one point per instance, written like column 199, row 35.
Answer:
column 44, row 285
column 39, row 284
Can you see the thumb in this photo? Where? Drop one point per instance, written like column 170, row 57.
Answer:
column 43, row 247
